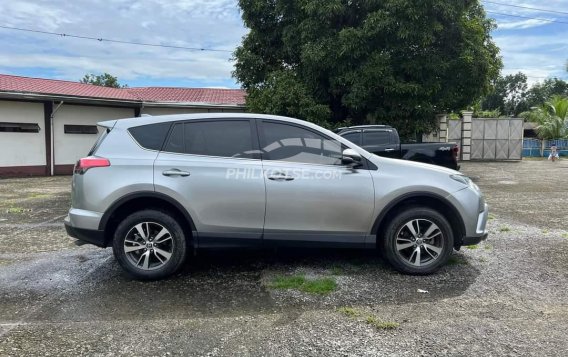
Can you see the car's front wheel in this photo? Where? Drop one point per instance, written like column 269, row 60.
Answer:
column 149, row 245
column 418, row 240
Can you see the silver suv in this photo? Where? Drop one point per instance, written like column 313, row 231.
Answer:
column 156, row 187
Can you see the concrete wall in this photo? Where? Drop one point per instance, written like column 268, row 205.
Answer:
column 23, row 154
column 71, row 147
column 22, row 149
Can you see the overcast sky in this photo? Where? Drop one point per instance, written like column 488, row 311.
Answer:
column 538, row 48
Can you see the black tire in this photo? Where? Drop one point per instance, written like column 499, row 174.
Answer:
column 398, row 230
column 160, row 265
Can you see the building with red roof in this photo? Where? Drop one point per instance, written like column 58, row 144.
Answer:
column 47, row 124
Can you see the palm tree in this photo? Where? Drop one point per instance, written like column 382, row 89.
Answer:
column 551, row 119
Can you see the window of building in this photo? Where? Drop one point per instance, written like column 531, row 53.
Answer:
column 80, row 129
column 19, row 127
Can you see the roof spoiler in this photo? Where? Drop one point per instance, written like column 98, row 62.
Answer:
column 109, row 124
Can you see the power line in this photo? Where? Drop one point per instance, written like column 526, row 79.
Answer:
column 527, row 17
column 100, row 39
column 526, row 7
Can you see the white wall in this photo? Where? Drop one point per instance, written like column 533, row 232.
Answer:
column 71, row 147
column 22, row 149
column 168, row 111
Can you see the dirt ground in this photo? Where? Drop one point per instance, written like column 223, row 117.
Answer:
column 506, row 296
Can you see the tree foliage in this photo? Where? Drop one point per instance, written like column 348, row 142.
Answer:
column 511, row 96
column 508, row 95
column 551, row 118
column 104, row 80
column 393, row 61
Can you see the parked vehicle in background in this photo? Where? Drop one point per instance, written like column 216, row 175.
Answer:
column 155, row 188
column 383, row 140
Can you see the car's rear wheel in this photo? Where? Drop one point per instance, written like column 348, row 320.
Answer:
column 149, row 245
column 418, row 240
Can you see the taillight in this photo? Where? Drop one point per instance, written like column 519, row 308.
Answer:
column 90, row 162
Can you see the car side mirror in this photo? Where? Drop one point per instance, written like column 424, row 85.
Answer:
column 351, row 157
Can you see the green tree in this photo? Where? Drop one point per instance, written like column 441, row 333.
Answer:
column 508, row 95
column 104, row 80
column 540, row 92
column 390, row 61
column 551, row 119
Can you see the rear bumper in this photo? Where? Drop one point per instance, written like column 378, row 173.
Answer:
column 91, row 236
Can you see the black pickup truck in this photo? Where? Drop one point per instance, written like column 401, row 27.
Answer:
column 383, row 140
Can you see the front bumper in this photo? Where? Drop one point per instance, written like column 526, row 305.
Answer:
column 481, row 229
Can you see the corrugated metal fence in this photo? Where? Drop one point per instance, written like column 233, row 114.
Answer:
column 532, row 147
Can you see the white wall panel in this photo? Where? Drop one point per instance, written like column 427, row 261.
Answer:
column 22, row 149
column 71, row 147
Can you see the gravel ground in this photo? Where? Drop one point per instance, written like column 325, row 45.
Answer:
column 505, row 297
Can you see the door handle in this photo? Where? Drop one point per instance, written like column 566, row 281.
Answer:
column 280, row 176
column 389, row 150
column 175, row 172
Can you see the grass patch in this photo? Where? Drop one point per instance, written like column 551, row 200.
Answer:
column 491, row 217
column 454, row 260
column 488, row 247
column 349, row 311
column 369, row 319
column 337, row 270
column 472, row 247
column 381, row 325
column 545, row 231
column 320, row 286
column 504, row 229
column 565, row 235
column 16, row 210
column 39, row 196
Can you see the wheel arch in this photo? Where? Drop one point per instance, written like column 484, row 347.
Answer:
column 143, row 200
column 426, row 199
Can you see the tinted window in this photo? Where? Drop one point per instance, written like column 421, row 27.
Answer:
column 378, row 137
column 291, row 143
column 354, row 137
column 175, row 143
column 226, row 138
column 150, row 136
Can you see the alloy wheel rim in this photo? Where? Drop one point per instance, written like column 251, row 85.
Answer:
column 148, row 245
column 419, row 242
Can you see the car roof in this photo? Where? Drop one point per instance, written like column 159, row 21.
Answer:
column 147, row 119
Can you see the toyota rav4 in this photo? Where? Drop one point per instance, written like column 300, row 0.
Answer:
column 154, row 188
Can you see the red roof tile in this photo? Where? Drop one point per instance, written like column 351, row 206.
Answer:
column 9, row 83
column 190, row 95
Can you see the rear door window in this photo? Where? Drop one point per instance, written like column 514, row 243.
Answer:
column 376, row 137
column 222, row 138
column 354, row 137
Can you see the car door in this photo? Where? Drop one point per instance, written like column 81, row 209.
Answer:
column 310, row 194
column 381, row 142
column 212, row 167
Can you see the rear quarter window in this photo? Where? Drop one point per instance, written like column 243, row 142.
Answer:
column 151, row 136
